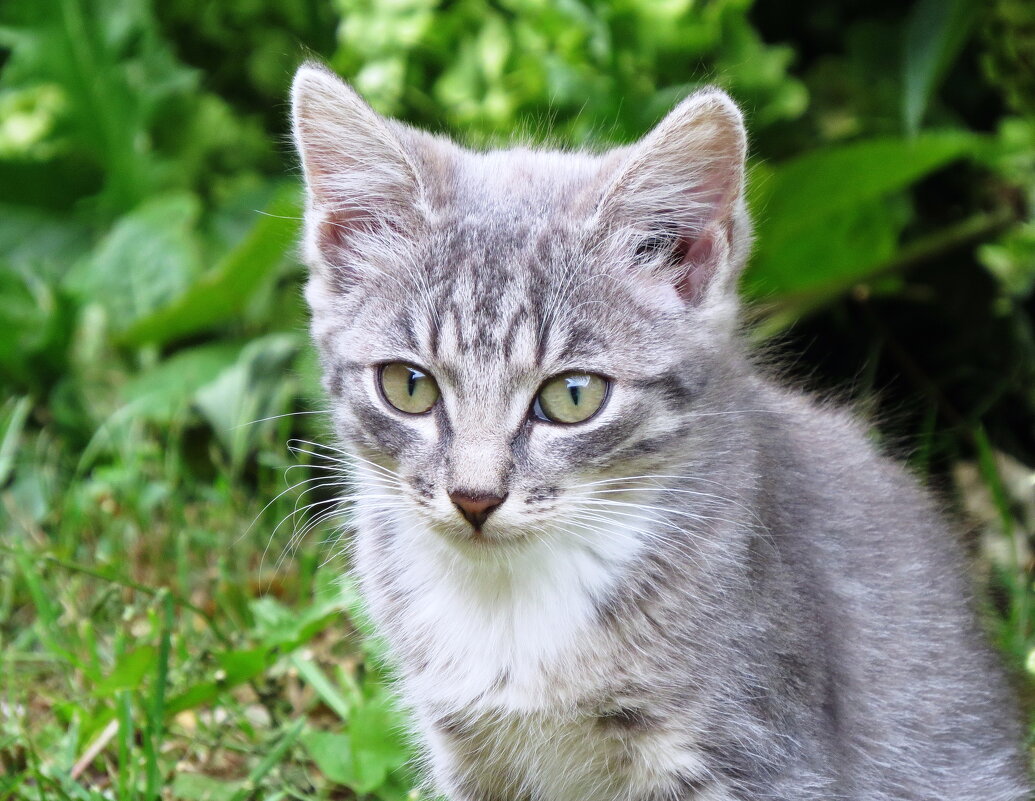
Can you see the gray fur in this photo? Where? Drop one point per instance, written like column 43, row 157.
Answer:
column 749, row 603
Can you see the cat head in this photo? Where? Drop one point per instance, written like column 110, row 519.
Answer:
column 501, row 331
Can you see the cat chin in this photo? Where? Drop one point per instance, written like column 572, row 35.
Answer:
column 490, row 540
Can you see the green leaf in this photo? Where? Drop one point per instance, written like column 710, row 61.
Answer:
column 822, row 220
column 848, row 246
column 363, row 759
column 37, row 321
column 13, row 415
column 330, row 694
column 235, row 667
column 218, row 296
column 198, row 787
column 238, row 666
column 244, row 399
column 377, row 730
column 935, row 35
column 332, row 754
column 150, row 255
column 1011, row 259
column 160, row 393
column 279, row 627
column 113, row 70
column 129, row 671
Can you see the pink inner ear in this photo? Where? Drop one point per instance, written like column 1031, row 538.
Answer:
column 339, row 230
column 699, row 263
column 333, row 238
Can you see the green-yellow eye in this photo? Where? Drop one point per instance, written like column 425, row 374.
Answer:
column 570, row 398
column 409, row 389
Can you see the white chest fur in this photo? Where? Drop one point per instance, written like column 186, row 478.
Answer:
column 502, row 662
column 492, row 629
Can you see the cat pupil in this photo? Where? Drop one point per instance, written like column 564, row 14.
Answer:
column 573, row 390
column 411, row 382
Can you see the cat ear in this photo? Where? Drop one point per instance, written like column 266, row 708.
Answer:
column 679, row 195
column 360, row 181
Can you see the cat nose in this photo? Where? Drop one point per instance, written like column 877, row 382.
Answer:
column 475, row 507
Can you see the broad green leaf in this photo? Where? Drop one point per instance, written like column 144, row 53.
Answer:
column 821, row 223
column 219, row 296
column 848, row 245
column 160, row 393
column 129, row 671
column 113, row 70
column 150, row 255
column 363, row 759
column 245, row 399
column 935, row 34
column 279, row 627
column 32, row 237
column 377, row 728
column 236, row 667
column 332, row 754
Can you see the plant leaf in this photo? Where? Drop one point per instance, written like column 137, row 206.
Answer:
column 221, row 294
column 150, row 255
column 129, row 671
column 199, row 787
column 159, row 393
column 241, row 402
column 822, row 223
column 935, row 34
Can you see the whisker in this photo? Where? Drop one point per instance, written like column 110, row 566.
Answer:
column 279, row 416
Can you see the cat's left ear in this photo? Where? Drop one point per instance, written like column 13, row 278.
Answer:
column 363, row 187
column 679, row 197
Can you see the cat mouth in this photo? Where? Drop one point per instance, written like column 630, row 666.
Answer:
column 486, row 537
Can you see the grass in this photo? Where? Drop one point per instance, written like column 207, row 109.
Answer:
column 163, row 637
column 157, row 643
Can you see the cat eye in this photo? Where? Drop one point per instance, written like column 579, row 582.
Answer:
column 407, row 388
column 570, row 398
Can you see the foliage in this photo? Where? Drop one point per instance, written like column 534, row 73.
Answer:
column 154, row 640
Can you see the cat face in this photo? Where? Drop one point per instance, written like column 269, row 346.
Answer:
column 507, row 335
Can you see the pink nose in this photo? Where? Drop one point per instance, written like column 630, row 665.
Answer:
column 475, row 507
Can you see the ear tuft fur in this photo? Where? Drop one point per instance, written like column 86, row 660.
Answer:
column 359, row 179
column 684, row 181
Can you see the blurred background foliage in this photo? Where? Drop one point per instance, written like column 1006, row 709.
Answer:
column 166, row 630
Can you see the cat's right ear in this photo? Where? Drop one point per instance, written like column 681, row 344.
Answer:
column 363, row 189
column 680, row 197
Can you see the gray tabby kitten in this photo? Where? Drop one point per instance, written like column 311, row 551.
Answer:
column 612, row 559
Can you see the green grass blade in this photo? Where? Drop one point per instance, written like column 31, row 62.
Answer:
column 270, row 761
column 156, row 710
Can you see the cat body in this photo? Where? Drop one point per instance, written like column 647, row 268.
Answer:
column 711, row 588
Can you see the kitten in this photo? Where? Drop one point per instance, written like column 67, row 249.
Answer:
column 611, row 558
